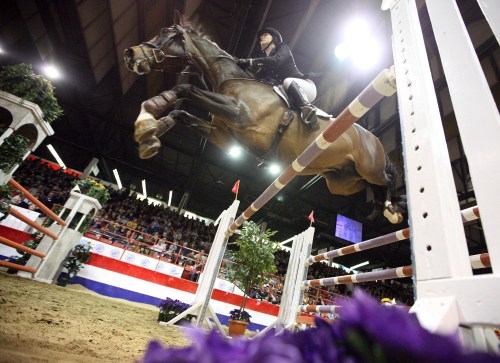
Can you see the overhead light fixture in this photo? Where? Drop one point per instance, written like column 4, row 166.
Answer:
column 118, row 180
column 342, row 51
column 51, row 71
column 359, row 45
column 169, row 198
column 359, row 265
column 235, row 151
column 274, row 169
column 144, row 188
column 56, row 156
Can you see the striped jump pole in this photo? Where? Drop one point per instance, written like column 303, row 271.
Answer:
column 477, row 261
column 17, row 267
column 468, row 214
column 21, row 247
column 382, row 86
column 35, row 201
column 390, row 273
column 322, row 309
column 480, row 261
column 33, row 224
column 361, row 246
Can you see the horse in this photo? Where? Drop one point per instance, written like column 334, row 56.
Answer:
column 249, row 112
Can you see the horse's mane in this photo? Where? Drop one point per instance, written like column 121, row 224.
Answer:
column 197, row 29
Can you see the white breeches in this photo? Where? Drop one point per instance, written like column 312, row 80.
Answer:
column 306, row 85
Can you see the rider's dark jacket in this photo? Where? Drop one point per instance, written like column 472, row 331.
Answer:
column 277, row 66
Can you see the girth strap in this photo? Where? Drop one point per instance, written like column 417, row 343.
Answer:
column 282, row 127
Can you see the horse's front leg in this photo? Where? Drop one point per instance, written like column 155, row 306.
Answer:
column 149, row 147
column 223, row 106
column 146, row 124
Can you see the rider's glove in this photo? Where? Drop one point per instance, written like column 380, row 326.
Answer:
column 245, row 62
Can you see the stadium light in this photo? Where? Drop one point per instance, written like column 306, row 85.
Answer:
column 235, row 151
column 117, row 177
column 359, row 265
column 56, row 156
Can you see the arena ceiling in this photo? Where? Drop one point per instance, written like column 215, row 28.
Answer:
column 101, row 98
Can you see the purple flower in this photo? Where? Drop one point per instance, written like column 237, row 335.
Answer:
column 366, row 332
column 172, row 306
column 213, row 348
column 238, row 314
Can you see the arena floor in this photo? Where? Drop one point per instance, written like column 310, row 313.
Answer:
column 48, row 323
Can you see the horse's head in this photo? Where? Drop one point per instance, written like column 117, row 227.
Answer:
column 165, row 52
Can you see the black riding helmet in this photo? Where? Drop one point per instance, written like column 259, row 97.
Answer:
column 277, row 38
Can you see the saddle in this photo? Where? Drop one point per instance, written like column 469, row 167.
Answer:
column 283, row 126
column 280, row 91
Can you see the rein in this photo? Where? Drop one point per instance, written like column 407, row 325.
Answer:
column 158, row 56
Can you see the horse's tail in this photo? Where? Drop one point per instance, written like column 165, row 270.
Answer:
column 399, row 201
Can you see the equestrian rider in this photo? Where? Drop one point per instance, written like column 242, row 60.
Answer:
column 277, row 66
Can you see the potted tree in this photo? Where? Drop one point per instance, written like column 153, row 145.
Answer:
column 74, row 262
column 252, row 259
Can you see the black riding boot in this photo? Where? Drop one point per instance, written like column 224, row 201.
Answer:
column 307, row 111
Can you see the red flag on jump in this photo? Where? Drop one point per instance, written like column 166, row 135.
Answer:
column 311, row 217
column 236, row 187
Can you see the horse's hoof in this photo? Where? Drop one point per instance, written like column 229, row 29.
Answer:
column 145, row 129
column 394, row 218
column 149, row 147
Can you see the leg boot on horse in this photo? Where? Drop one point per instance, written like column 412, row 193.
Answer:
column 146, row 123
column 149, row 146
column 299, row 100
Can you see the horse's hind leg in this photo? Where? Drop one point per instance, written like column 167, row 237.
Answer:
column 382, row 202
column 378, row 201
column 382, row 196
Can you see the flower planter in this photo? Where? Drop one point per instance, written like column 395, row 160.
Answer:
column 237, row 328
column 166, row 316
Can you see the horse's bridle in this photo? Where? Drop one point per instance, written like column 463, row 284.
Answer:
column 154, row 54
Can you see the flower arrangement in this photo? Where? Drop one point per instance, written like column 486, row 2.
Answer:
column 366, row 332
column 5, row 197
column 171, row 306
column 21, row 81
column 12, row 151
column 94, row 189
column 241, row 315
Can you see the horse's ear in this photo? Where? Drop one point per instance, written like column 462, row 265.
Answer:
column 177, row 18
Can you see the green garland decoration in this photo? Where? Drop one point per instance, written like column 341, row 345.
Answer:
column 21, row 81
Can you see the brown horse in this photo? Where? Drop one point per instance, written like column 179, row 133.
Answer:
column 249, row 112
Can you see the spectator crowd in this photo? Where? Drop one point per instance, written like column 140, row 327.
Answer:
column 126, row 217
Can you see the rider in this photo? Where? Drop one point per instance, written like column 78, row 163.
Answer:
column 277, row 66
